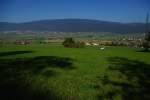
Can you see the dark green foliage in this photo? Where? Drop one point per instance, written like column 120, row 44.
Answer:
column 69, row 42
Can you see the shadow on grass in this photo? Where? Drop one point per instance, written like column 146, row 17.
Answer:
column 143, row 50
column 19, row 91
column 11, row 53
column 13, row 73
column 131, row 80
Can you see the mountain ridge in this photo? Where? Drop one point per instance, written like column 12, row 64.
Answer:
column 74, row 25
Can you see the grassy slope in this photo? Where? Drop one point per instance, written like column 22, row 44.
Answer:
column 84, row 80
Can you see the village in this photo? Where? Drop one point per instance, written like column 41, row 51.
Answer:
column 124, row 41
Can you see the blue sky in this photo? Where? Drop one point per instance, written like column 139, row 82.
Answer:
column 109, row 10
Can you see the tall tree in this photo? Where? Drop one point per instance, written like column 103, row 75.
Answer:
column 146, row 43
column 147, row 32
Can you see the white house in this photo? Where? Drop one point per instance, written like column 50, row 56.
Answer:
column 87, row 44
column 95, row 44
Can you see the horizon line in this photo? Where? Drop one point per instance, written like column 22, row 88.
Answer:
column 70, row 19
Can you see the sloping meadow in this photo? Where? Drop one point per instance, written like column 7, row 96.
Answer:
column 52, row 72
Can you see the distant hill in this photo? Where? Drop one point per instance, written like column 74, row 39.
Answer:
column 74, row 25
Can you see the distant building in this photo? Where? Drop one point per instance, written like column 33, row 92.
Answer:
column 87, row 44
column 95, row 44
column 22, row 42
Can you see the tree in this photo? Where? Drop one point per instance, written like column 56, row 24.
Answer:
column 69, row 42
column 146, row 43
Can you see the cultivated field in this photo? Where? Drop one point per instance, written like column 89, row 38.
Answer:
column 50, row 71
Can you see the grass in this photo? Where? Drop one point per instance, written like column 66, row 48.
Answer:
column 50, row 71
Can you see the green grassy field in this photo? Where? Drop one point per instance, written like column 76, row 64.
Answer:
column 52, row 72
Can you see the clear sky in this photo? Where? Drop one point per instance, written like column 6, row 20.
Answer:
column 108, row 10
